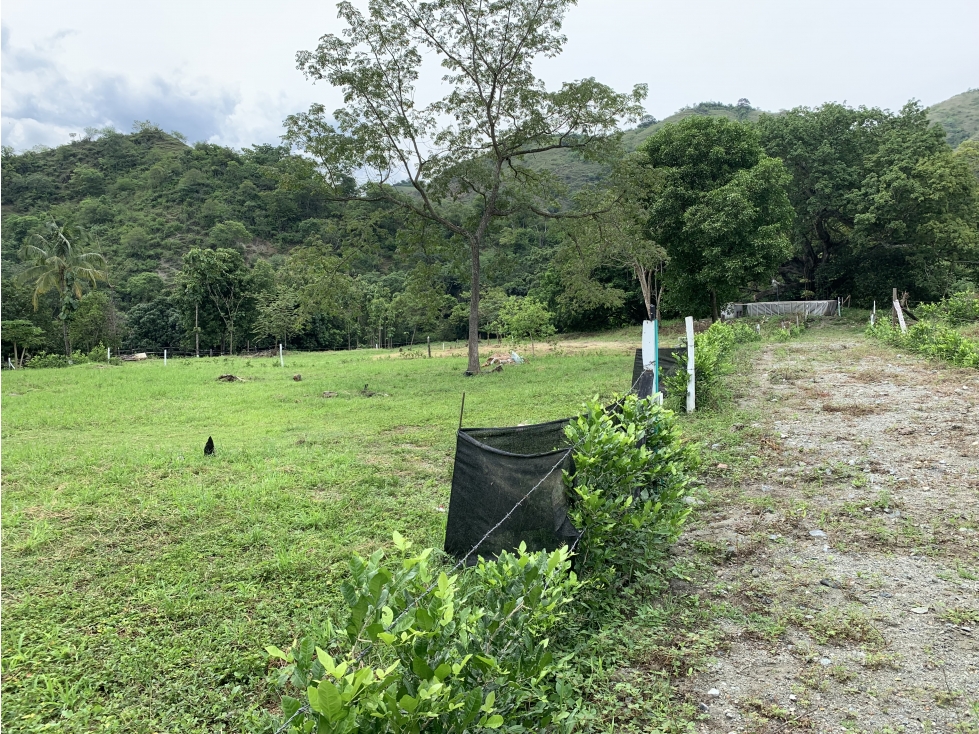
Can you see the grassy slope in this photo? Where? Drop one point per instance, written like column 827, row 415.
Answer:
column 959, row 115
column 142, row 580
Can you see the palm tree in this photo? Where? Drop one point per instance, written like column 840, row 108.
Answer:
column 56, row 264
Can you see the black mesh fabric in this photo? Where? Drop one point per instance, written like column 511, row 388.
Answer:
column 494, row 468
column 668, row 365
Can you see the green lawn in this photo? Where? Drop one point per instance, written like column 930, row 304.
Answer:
column 141, row 580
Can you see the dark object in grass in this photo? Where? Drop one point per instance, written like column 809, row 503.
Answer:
column 229, row 378
column 330, row 394
column 498, row 368
column 209, row 447
column 366, row 392
column 297, row 378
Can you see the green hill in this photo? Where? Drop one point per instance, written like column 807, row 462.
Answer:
column 959, row 115
column 577, row 173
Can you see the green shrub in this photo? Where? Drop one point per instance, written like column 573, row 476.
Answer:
column 99, row 353
column 631, row 474
column 959, row 308
column 712, row 352
column 45, row 360
column 931, row 339
column 466, row 656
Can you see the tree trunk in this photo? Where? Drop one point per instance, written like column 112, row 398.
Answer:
column 532, row 352
column 197, row 335
column 16, row 360
column 64, row 328
column 473, row 366
column 715, row 314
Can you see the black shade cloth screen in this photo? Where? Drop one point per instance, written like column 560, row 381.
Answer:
column 494, row 469
column 668, row 365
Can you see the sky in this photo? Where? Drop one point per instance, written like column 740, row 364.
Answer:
column 224, row 71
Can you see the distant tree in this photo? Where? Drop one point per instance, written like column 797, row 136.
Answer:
column 22, row 333
column 742, row 109
column 881, row 201
column 278, row 315
column 154, row 325
column 526, row 317
column 55, row 262
column 94, row 323
column 145, row 287
column 469, row 145
column 720, row 210
column 617, row 236
column 86, row 181
column 229, row 235
column 968, row 153
column 222, row 277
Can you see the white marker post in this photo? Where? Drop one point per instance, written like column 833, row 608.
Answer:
column 900, row 313
column 108, row 354
column 691, row 374
column 164, row 357
column 873, row 313
column 281, row 361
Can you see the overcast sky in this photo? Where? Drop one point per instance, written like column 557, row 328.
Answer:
column 224, row 70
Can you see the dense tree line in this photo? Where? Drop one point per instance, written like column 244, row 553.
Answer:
column 219, row 249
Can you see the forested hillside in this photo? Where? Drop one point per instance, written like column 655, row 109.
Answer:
column 959, row 115
column 212, row 248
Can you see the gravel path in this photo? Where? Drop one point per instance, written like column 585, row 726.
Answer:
column 848, row 546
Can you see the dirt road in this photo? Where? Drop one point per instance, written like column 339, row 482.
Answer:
column 846, row 536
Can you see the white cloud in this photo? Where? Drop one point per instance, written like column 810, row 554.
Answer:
column 44, row 99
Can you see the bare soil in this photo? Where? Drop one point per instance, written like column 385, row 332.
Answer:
column 847, row 534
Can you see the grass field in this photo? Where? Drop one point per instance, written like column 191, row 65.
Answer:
column 142, row 580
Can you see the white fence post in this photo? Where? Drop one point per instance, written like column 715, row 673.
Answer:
column 164, row 357
column 691, row 374
column 108, row 354
column 281, row 361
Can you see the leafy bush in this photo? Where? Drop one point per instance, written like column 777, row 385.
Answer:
column 45, row 360
column 931, row 339
column 99, row 353
column 712, row 351
column 959, row 308
column 631, row 474
column 464, row 657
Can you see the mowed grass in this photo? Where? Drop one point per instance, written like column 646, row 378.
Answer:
column 142, row 580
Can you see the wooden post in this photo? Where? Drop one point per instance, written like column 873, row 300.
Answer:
column 900, row 313
column 691, row 374
column 428, row 340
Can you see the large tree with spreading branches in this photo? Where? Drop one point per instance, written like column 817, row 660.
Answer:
column 473, row 146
